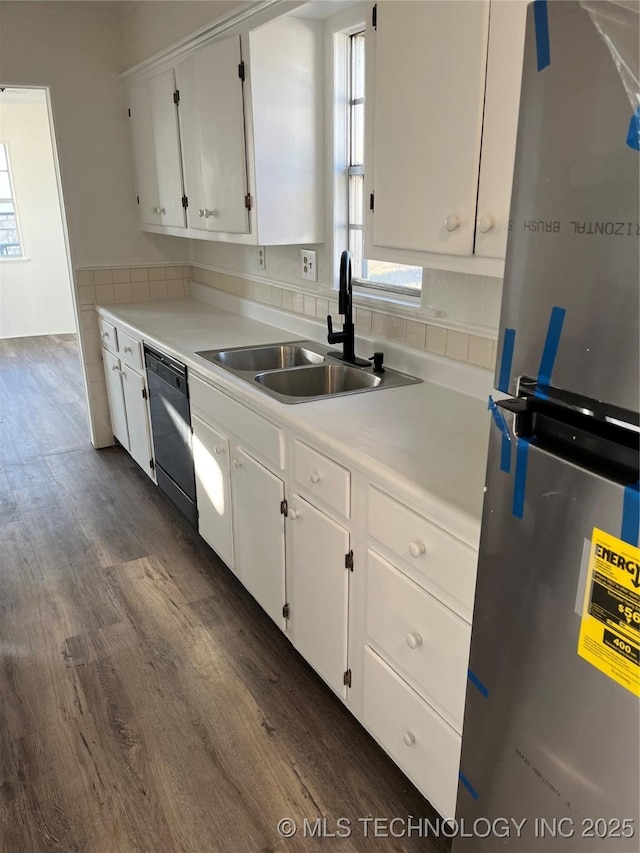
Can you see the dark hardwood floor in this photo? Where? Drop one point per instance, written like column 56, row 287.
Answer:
column 146, row 701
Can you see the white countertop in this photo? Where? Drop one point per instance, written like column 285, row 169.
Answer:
column 425, row 442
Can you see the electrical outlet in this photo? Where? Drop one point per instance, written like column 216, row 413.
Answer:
column 261, row 260
column 308, row 267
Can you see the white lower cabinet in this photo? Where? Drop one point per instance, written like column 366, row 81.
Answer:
column 213, row 488
column 418, row 740
column 320, row 601
column 116, row 397
column 374, row 595
column 258, row 523
column 134, row 387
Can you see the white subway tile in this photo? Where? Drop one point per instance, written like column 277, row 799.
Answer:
column 140, row 291
column 158, row 289
column 309, row 304
column 416, row 334
column 175, row 288
column 436, row 339
column 363, row 321
column 86, row 294
column 139, row 274
column 480, row 351
column 105, row 293
column 84, row 277
column 379, row 324
column 397, row 328
column 322, row 308
column 457, row 345
column 298, row 303
column 276, row 297
column 173, row 272
column 121, row 275
column 287, row 300
column 123, row 292
column 157, row 274
column 102, row 277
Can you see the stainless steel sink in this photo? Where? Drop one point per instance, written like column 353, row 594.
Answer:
column 323, row 380
column 255, row 359
column 301, row 371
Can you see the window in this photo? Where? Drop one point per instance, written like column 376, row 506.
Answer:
column 376, row 275
column 10, row 245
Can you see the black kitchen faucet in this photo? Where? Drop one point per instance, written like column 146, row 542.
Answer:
column 345, row 307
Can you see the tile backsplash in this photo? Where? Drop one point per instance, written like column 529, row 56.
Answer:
column 377, row 322
column 104, row 286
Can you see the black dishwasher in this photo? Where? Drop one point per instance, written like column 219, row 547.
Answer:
column 171, row 428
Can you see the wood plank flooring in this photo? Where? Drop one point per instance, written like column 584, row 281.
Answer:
column 146, row 701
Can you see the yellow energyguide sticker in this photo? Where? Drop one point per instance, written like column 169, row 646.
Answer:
column 610, row 628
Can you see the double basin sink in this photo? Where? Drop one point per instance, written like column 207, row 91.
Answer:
column 300, row 371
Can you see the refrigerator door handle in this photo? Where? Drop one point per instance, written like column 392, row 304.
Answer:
column 605, row 448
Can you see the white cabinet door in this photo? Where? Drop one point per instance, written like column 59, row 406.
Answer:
column 213, row 137
column 213, row 488
column 137, row 412
column 259, row 532
column 166, row 144
column 504, row 75
column 142, row 133
column 321, row 591
column 429, row 63
column 116, row 397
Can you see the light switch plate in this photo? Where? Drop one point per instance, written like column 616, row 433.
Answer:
column 308, row 265
column 261, row 260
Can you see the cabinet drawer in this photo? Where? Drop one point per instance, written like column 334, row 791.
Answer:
column 130, row 350
column 108, row 335
column 423, row 639
column 252, row 429
column 423, row 745
column 423, row 546
column 321, row 477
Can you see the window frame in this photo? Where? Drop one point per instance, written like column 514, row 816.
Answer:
column 12, row 200
column 402, row 294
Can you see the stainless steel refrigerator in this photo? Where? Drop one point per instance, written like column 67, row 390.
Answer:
column 552, row 726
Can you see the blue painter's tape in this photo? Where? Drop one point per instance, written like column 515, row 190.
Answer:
column 505, row 450
column 550, row 351
column 541, row 20
column 633, row 137
column 631, row 515
column 508, row 345
column 520, row 480
column 477, row 683
column 467, row 784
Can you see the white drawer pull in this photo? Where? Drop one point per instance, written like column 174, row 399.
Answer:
column 219, row 451
column 237, row 464
column 128, row 349
column 315, row 477
column 293, row 514
column 452, row 222
column 416, row 548
column 486, row 223
column 414, row 640
column 105, row 334
column 114, row 367
column 409, row 738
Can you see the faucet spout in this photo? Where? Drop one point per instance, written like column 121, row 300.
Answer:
column 345, row 307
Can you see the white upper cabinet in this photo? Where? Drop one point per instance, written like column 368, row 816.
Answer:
column 251, row 138
column 213, row 137
column 502, row 101
column 443, row 88
column 429, row 70
column 156, row 148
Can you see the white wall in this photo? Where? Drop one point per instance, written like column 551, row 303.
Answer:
column 35, row 294
column 78, row 53
column 154, row 25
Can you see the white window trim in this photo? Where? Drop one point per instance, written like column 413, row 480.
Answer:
column 23, row 257
column 339, row 28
